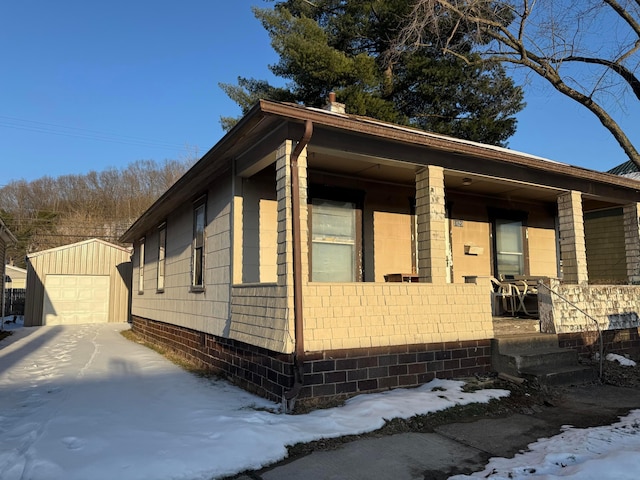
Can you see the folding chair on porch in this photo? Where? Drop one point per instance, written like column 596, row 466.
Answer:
column 503, row 293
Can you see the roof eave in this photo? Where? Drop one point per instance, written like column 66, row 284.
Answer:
column 6, row 234
column 364, row 126
column 140, row 226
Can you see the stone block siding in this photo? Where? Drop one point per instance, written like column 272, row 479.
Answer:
column 369, row 315
column 327, row 375
column 344, row 373
column 431, row 218
column 624, row 341
column 572, row 242
column 613, row 306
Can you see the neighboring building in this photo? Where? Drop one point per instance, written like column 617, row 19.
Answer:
column 627, row 169
column 6, row 239
column 267, row 260
column 605, row 238
column 85, row 282
column 14, row 288
column 16, row 277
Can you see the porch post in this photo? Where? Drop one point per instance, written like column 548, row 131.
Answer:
column 572, row 245
column 285, row 234
column 283, row 195
column 285, row 215
column 631, row 215
column 431, row 218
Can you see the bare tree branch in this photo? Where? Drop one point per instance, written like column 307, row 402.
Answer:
column 544, row 36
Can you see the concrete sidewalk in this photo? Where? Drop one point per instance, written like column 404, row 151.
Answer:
column 456, row 447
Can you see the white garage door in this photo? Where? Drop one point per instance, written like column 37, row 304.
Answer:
column 75, row 299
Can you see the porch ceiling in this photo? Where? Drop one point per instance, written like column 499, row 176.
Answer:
column 377, row 169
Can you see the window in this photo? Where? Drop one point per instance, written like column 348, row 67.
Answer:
column 336, row 235
column 509, row 243
column 141, row 267
column 197, row 258
column 162, row 254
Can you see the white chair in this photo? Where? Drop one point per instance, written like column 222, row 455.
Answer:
column 505, row 294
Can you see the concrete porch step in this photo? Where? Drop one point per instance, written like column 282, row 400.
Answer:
column 547, row 357
column 525, row 343
column 515, row 326
column 538, row 356
column 557, row 376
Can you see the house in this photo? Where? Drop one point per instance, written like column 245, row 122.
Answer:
column 15, row 282
column 15, row 277
column 312, row 254
column 6, row 239
column 85, row 282
column 605, row 238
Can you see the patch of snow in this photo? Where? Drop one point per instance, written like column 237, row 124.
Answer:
column 624, row 361
column 614, row 357
column 612, row 451
column 80, row 402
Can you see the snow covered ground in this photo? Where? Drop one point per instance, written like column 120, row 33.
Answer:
column 609, row 452
column 82, row 402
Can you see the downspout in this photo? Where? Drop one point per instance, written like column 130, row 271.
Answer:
column 298, row 358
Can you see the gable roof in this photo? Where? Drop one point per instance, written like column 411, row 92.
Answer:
column 75, row 245
column 264, row 127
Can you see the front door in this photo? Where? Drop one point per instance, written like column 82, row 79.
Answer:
column 509, row 244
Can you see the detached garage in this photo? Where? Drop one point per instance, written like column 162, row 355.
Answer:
column 85, row 282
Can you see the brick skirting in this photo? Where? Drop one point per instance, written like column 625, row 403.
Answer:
column 623, row 341
column 255, row 369
column 344, row 373
column 329, row 375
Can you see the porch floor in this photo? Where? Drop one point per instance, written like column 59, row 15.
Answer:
column 515, row 326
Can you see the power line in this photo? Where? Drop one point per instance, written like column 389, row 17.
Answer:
column 62, row 130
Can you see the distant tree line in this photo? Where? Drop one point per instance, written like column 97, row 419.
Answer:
column 51, row 212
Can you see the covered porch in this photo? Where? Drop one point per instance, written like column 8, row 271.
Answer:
column 443, row 222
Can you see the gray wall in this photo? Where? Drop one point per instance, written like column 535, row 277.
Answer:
column 206, row 311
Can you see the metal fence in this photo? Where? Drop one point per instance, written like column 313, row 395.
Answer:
column 14, row 301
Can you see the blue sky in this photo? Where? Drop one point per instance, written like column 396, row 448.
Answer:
column 91, row 85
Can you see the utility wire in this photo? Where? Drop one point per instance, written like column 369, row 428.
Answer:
column 62, row 130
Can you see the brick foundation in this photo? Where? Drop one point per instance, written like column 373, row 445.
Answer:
column 255, row 369
column 623, row 341
column 344, row 373
column 328, row 375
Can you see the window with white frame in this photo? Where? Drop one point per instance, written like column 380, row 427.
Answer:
column 335, row 234
column 162, row 255
column 141, row 266
column 197, row 256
